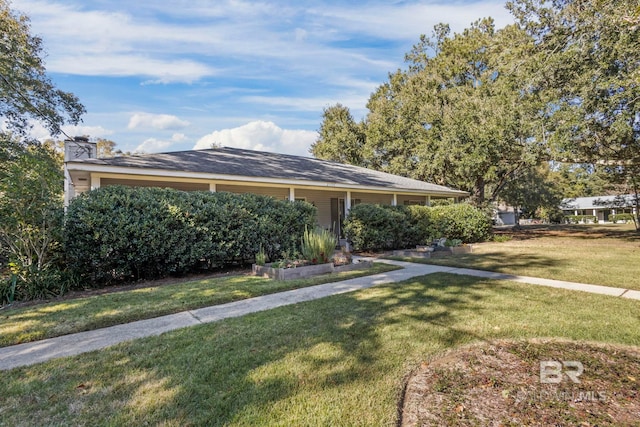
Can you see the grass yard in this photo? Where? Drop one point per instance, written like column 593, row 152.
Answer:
column 31, row 323
column 337, row 361
column 605, row 255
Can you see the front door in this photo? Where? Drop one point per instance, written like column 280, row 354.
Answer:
column 337, row 216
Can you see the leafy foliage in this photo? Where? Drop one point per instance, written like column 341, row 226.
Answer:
column 480, row 110
column 25, row 90
column 587, row 70
column 534, row 192
column 459, row 117
column 581, row 219
column 623, row 217
column 375, row 227
column 379, row 227
column 30, row 173
column 133, row 233
column 30, row 219
column 460, row 221
column 340, row 138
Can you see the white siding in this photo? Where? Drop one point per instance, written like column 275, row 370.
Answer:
column 278, row 193
column 322, row 201
column 372, row 198
column 411, row 199
column 184, row 186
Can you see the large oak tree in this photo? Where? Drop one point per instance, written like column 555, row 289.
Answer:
column 458, row 115
column 587, row 67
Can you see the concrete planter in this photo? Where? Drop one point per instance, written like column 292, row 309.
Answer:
column 464, row 249
column 304, row 271
column 412, row 253
column 291, row 273
column 453, row 250
column 438, row 252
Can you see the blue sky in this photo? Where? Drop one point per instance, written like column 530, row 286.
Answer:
column 175, row 75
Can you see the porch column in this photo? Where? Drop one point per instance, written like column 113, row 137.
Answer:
column 212, row 187
column 595, row 213
column 575, row 212
column 394, row 201
column 68, row 187
column 95, row 182
column 427, row 201
column 292, row 194
column 347, row 204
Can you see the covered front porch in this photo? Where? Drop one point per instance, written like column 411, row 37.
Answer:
column 332, row 203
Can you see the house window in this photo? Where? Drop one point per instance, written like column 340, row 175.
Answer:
column 413, row 202
column 301, row 199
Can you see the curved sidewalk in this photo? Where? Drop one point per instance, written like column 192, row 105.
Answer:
column 73, row 344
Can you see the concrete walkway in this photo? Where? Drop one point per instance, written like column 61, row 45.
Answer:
column 73, row 344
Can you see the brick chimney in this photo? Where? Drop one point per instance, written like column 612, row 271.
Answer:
column 79, row 148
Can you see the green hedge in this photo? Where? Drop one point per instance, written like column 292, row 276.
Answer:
column 379, row 227
column 460, row 221
column 374, row 227
column 143, row 233
column 578, row 219
column 623, row 217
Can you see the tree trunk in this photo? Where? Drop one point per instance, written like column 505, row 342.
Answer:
column 477, row 197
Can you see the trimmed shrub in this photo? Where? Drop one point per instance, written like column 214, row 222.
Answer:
column 118, row 232
column 581, row 219
column 375, row 227
column 422, row 227
column 460, row 221
column 623, row 217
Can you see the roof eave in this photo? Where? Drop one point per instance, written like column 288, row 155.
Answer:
column 126, row 170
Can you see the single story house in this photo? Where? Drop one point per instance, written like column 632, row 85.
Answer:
column 332, row 187
column 599, row 206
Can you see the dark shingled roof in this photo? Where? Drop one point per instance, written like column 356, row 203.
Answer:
column 249, row 163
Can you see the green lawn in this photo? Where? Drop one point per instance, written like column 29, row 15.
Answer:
column 18, row 325
column 598, row 254
column 336, row 361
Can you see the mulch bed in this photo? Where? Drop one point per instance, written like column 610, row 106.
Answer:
column 499, row 384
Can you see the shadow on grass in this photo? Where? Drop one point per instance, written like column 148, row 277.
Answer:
column 248, row 368
column 579, row 231
column 24, row 324
column 498, row 260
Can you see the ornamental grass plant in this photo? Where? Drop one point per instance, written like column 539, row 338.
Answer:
column 318, row 245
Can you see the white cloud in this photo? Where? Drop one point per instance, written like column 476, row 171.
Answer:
column 179, row 137
column 91, row 131
column 156, row 121
column 409, row 20
column 39, row 132
column 306, row 104
column 156, row 69
column 292, row 36
column 262, row 136
column 152, row 145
